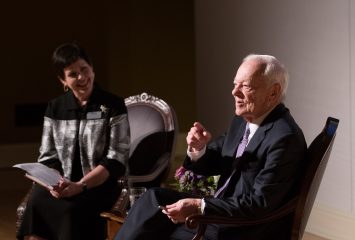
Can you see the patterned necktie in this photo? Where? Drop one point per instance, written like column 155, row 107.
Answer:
column 240, row 150
column 244, row 142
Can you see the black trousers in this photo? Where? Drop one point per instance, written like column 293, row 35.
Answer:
column 75, row 218
column 146, row 221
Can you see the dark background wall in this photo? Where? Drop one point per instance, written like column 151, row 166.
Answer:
column 136, row 46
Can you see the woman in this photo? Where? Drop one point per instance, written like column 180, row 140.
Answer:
column 86, row 138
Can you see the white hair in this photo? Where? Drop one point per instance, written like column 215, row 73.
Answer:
column 274, row 71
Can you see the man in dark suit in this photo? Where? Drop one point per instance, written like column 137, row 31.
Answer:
column 255, row 179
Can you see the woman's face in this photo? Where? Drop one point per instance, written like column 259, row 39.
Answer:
column 79, row 77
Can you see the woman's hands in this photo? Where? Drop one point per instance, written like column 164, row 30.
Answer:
column 94, row 178
column 66, row 188
column 179, row 211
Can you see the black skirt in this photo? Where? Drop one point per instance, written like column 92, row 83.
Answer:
column 72, row 218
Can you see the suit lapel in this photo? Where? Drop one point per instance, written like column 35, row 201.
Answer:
column 237, row 129
column 258, row 137
column 267, row 124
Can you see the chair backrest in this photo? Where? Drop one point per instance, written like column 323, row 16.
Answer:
column 317, row 158
column 154, row 128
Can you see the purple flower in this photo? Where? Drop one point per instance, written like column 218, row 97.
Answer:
column 188, row 181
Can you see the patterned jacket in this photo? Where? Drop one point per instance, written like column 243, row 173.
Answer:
column 100, row 130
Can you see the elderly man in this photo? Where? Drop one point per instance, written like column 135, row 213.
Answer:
column 258, row 158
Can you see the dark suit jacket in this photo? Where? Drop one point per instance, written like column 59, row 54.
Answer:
column 265, row 177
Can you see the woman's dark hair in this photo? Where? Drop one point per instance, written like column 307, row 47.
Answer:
column 66, row 54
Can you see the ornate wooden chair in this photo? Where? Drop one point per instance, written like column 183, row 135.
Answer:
column 154, row 130
column 317, row 157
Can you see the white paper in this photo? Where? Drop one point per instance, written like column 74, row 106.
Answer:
column 38, row 171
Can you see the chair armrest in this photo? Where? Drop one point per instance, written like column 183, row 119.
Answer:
column 118, row 211
column 119, row 208
column 22, row 207
column 200, row 221
column 112, row 216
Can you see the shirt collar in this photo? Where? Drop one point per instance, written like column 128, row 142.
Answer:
column 256, row 124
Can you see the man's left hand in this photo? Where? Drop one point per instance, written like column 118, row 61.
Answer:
column 179, row 211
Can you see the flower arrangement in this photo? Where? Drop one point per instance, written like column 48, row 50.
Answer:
column 188, row 181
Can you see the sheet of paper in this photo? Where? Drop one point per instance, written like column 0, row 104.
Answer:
column 46, row 175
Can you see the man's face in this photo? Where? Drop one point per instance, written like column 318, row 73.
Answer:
column 253, row 93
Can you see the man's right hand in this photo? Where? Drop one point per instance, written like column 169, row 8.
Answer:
column 198, row 137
